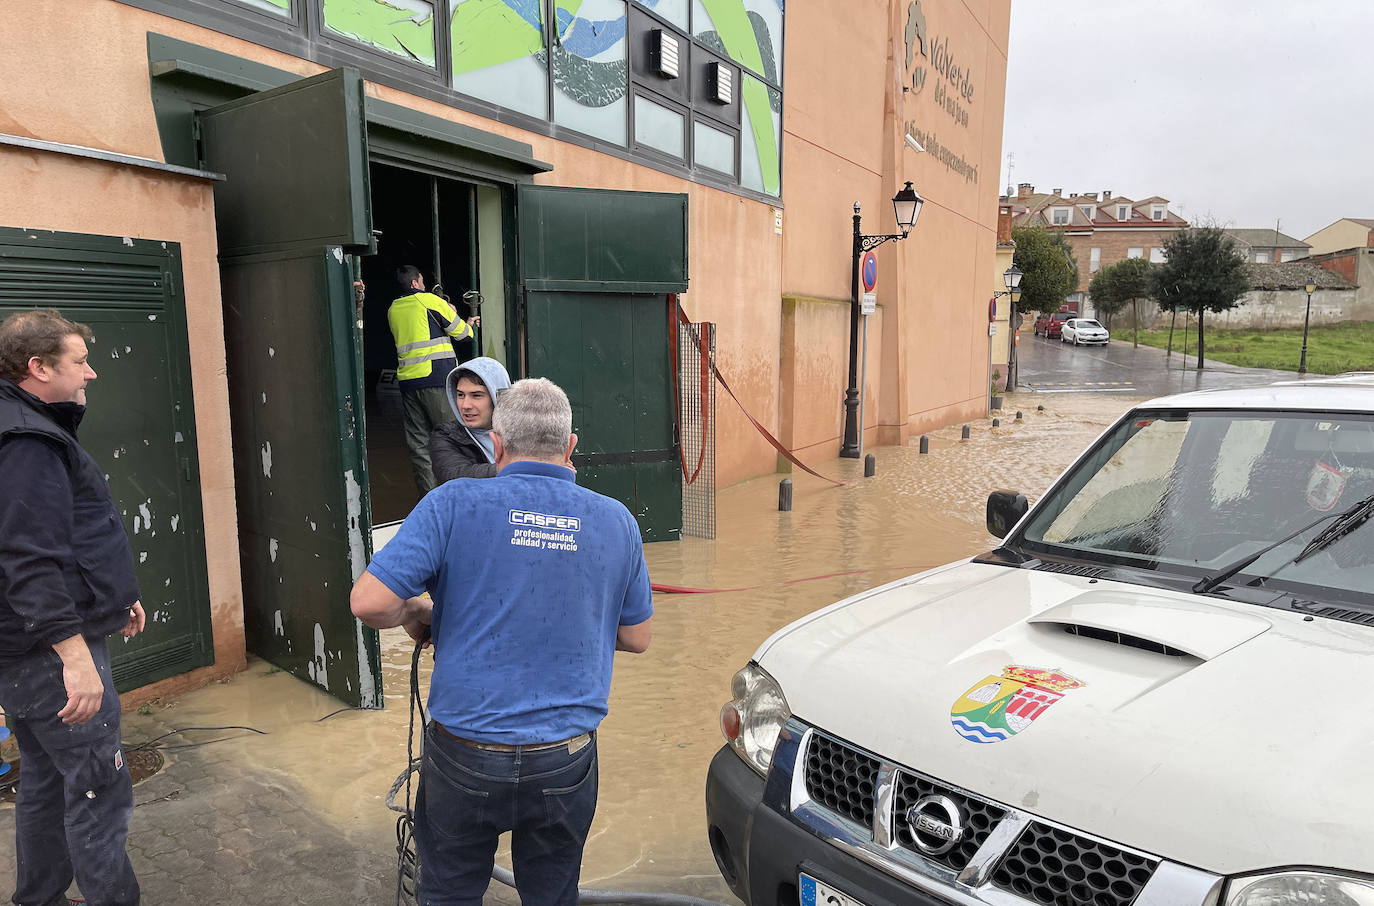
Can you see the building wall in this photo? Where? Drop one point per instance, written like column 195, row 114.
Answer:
column 1286, row 308
column 1343, row 234
column 779, row 298
column 1115, row 244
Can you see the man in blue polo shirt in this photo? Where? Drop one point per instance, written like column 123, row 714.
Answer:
column 535, row 583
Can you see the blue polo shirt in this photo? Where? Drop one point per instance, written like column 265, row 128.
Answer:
column 531, row 577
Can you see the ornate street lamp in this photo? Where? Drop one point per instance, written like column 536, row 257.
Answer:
column 906, row 206
column 1302, row 362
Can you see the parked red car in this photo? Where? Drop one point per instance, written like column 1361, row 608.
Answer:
column 1049, row 326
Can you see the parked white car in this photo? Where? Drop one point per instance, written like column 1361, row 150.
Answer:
column 1084, row 332
column 1147, row 695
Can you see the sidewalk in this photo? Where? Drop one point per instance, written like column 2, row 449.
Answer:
column 296, row 817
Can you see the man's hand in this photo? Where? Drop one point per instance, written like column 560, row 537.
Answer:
column 81, row 679
column 137, row 619
column 475, row 321
column 416, row 615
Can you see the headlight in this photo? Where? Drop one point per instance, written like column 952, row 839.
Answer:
column 754, row 719
column 1300, row 888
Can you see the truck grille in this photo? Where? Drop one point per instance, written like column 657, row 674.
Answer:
column 979, row 818
column 1044, row 865
column 841, row 778
column 1055, row 867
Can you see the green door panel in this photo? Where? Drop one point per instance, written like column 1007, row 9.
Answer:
column 296, row 193
column 295, row 162
column 598, row 240
column 139, row 425
column 609, row 352
column 303, row 535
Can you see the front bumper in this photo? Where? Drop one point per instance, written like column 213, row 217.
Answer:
column 760, row 851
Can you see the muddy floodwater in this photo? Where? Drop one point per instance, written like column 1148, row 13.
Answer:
column 763, row 570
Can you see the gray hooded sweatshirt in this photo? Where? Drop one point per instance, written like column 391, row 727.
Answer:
column 455, row 450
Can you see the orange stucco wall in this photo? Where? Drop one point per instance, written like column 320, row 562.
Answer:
column 52, row 192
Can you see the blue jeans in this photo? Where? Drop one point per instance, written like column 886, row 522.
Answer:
column 75, row 792
column 468, row 797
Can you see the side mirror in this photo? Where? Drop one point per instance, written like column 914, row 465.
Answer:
column 1005, row 509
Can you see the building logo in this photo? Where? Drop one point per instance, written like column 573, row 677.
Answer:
column 998, row 707
column 915, row 32
column 936, row 825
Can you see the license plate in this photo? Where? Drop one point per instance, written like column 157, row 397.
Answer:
column 815, row 893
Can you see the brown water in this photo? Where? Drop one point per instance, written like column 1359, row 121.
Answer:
column 650, row 830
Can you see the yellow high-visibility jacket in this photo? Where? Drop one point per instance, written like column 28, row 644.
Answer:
column 424, row 326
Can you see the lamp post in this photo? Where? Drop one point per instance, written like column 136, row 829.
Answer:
column 906, row 204
column 1011, row 279
column 1302, row 362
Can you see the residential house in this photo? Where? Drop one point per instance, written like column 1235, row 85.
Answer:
column 1101, row 228
column 1265, row 246
column 1346, row 233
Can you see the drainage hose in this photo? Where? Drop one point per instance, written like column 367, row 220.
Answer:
column 408, row 862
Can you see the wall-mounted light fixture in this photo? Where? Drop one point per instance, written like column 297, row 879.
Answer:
column 721, row 79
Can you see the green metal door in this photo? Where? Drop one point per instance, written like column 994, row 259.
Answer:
column 293, row 205
column 597, row 267
column 140, row 425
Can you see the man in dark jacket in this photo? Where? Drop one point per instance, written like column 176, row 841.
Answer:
column 463, row 448
column 66, row 582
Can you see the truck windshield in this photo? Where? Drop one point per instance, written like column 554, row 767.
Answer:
column 1191, row 492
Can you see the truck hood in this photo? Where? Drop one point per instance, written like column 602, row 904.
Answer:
column 1239, row 743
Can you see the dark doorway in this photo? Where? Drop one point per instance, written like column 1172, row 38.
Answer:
column 427, row 221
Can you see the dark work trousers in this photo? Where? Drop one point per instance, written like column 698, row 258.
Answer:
column 424, row 410
column 468, row 797
column 75, row 792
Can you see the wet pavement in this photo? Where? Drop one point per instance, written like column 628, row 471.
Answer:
column 296, row 816
column 1049, row 366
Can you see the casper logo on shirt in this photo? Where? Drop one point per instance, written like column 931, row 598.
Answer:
column 544, row 531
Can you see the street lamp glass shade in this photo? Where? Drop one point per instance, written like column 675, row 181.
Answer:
column 907, row 206
column 1311, row 287
column 1012, row 277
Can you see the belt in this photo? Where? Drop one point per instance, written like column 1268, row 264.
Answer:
column 573, row 743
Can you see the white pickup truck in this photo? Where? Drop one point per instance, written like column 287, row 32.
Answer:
column 1151, row 693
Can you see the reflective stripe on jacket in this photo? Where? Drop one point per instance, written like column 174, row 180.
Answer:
column 424, row 326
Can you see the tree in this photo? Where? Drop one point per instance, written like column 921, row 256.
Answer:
column 1047, row 263
column 1106, row 302
column 1205, row 271
column 1132, row 282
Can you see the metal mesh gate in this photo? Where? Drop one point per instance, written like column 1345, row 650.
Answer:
column 697, row 427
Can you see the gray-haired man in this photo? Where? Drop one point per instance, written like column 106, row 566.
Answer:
column 535, row 583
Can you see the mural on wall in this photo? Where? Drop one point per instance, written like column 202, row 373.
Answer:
column 750, row 33
column 401, row 27
column 499, row 55
column 271, row 6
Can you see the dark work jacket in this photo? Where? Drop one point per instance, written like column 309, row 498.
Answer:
column 454, row 454
column 66, row 566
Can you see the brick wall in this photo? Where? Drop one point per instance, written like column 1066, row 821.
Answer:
column 1342, row 263
column 1114, row 245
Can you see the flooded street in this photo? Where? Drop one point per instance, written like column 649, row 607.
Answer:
column 765, row 569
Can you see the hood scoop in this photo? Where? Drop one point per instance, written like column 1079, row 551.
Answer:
column 1167, row 624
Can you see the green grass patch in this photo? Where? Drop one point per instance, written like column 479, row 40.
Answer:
column 1331, row 349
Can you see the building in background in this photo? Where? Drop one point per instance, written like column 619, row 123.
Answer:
column 1101, row 228
column 1346, row 233
column 205, row 180
column 1268, row 246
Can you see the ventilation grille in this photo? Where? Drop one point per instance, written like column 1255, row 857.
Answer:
column 1363, row 617
column 1054, row 867
column 1071, row 569
column 85, row 282
column 1121, row 638
column 841, row 778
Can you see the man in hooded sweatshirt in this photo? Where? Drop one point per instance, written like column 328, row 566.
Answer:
column 463, row 448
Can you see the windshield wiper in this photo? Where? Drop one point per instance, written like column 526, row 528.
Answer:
column 1345, row 523
column 1207, row 583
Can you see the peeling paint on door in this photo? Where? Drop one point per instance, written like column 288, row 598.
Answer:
column 267, row 459
column 318, row 667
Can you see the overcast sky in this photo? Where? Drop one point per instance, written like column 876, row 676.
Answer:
column 1238, row 112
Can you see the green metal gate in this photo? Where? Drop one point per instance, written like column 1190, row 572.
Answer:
column 597, row 268
column 294, row 203
column 140, row 425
